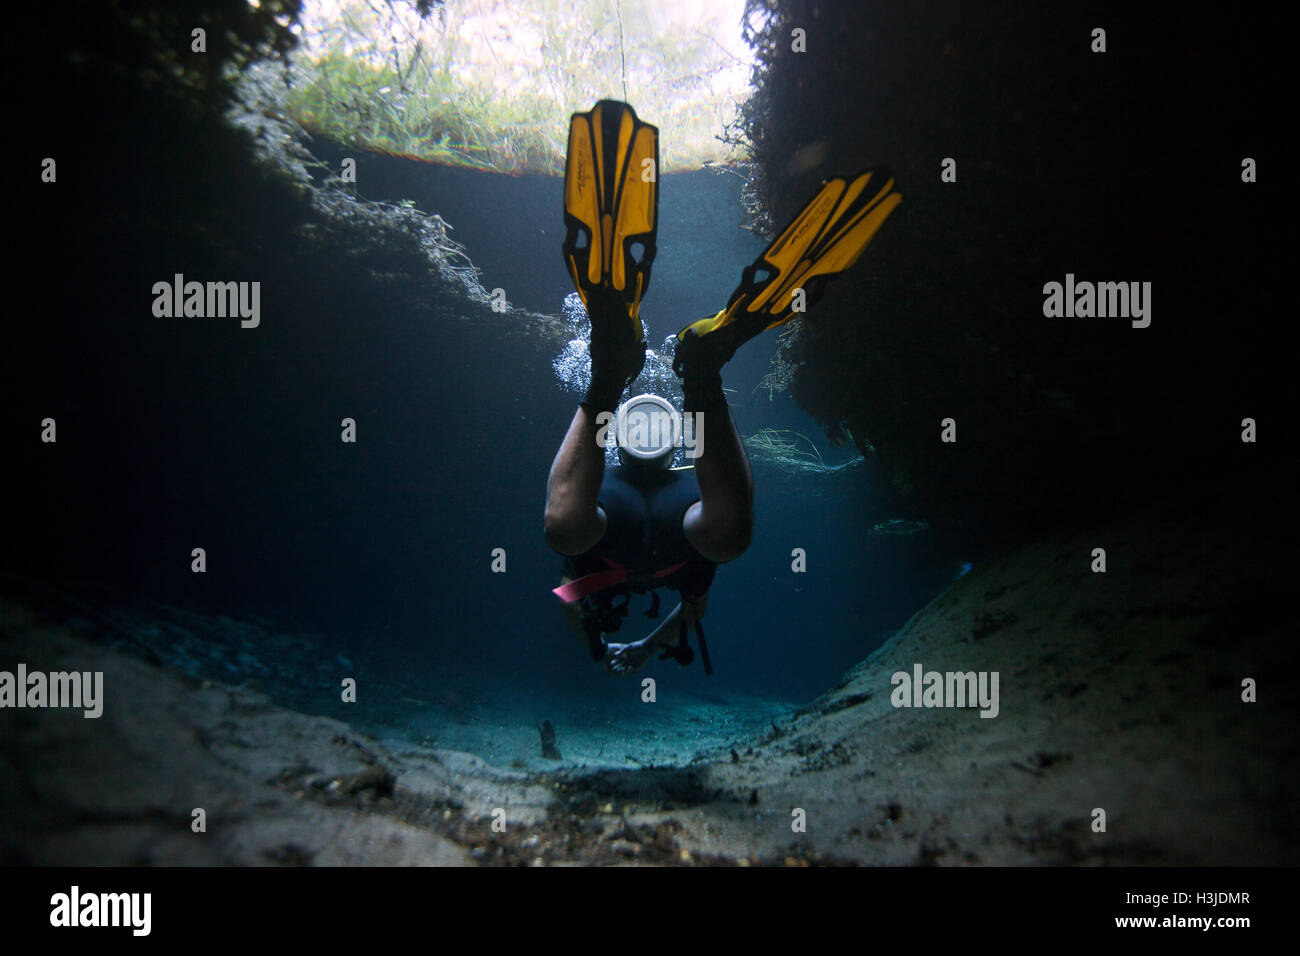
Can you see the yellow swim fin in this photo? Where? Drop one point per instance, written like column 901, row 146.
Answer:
column 826, row 238
column 611, row 209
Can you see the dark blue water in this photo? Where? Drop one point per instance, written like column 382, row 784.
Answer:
column 771, row 630
column 185, row 433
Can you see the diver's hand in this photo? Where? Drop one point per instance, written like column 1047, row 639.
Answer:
column 628, row 658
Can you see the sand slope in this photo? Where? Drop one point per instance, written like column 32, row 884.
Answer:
column 1118, row 691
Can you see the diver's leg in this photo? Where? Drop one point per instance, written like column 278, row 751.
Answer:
column 574, row 521
column 719, row 526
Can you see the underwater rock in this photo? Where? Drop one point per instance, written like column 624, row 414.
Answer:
column 376, row 779
column 549, row 750
column 125, row 789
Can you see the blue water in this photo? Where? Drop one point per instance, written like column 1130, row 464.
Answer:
column 200, row 434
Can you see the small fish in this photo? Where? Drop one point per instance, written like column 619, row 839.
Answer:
column 899, row 526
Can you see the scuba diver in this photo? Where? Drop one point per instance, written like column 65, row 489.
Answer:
column 644, row 525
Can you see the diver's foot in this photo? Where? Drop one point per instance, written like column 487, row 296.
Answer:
column 618, row 345
column 613, row 369
column 629, row 658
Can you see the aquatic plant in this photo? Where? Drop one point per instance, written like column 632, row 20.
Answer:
column 491, row 84
column 784, row 445
column 783, row 363
column 393, row 232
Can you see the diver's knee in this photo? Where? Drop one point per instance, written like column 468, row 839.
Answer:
column 736, row 541
column 720, row 538
column 559, row 530
column 571, row 532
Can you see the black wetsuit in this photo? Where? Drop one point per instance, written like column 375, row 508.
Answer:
column 643, row 533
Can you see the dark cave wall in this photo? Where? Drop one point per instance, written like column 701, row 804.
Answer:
column 1123, row 166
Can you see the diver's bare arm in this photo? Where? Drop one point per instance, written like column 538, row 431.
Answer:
column 629, row 658
column 720, row 525
column 574, row 522
column 668, row 629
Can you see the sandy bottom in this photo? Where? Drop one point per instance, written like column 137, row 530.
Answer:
column 1121, row 737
